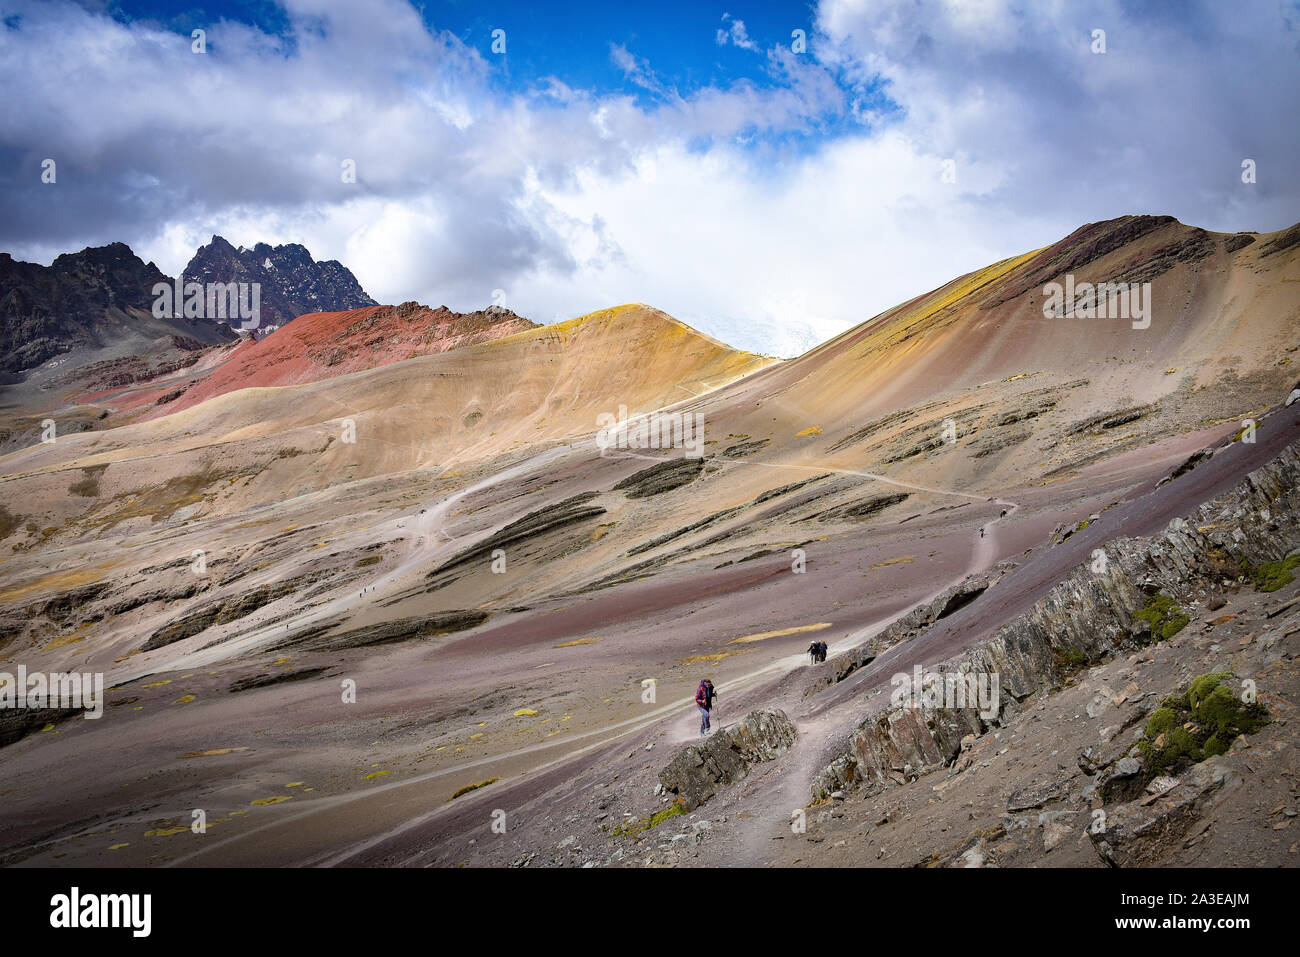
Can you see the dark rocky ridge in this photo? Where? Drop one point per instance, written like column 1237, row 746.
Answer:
column 1089, row 617
column 534, row 524
column 661, row 477
column 87, row 298
column 1077, row 249
column 910, row 625
column 437, row 624
column 292, row 283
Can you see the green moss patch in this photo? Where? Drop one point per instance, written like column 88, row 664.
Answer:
column 1201, row 722
column 654, row 820
column 1270, row 576
column 1165, row 618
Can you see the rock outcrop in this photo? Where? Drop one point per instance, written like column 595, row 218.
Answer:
column 700, row 771
column 661, row 477
column 908, row 626
column 1088, row 617
column 17, row 723
column 435, row 625
column 228, row 609
column 1141, row 832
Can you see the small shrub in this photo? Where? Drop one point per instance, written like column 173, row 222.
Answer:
column 1270, row 576
column 1165, row 618
column 1200, row 723
column 473, row 787
column 658, row 817
column 1069, row 661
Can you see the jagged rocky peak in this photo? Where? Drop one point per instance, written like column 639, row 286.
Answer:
column 82, row 299
column 292, row 282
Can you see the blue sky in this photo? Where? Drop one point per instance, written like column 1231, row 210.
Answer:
column 692, row 46
column 570, row 41
column 680, row 153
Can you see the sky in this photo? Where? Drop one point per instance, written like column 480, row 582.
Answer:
column 771, row 173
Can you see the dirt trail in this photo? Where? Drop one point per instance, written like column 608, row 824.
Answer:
column 364, row 821
column 297, row 831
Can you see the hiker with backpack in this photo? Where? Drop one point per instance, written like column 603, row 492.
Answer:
column 704, row 701
column 813, row 651
column 821, row 651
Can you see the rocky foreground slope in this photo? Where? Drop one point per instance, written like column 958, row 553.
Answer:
column 1146, row 718
column 1109, row 644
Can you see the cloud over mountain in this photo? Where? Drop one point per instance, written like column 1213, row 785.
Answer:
column 770, row 213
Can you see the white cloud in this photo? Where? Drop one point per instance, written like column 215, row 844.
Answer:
column 726, row 206
column 736, row 34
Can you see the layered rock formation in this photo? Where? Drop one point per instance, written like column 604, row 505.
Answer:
column 908, row 626
column 1087, row 618
column 700, row 771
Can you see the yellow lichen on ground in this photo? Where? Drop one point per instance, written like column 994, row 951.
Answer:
column 696, row 659
column 762, row 635
column 579, row 641
column 69, row 639
column 62, row 581
column 525, row 713
column 472, row 787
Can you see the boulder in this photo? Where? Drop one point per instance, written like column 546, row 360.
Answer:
column 701, row 770
column 1142, row 832
column 1036, row 795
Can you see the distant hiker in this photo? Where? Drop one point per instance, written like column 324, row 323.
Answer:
column 821, row 651
column 702, row 701
column 813, row 651
column 981, row 531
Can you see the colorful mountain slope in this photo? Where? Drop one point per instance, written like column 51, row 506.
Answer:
column 320, row 346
